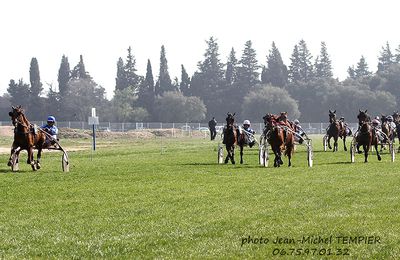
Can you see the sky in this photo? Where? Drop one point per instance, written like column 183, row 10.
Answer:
column 103, row 30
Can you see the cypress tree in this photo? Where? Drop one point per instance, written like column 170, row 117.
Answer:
column 164, row 80
column 231, row 68
column 323, row 64
column 185, row 82
column 64, row 75
column 79, row 71
column 248, row 75
column 120, row 81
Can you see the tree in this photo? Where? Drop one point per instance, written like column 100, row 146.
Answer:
column 146, row 95
column 36, row 110
column 268, row 99
column 172, row 106
column 386, row 58
column 301, row 68
column 121, row 79
column 208, row 82
column 125, row 108
column 164, row 80
column 79, row 71
column 184, row 86
column 276, row 72
column 64, row 75
column 19, row 93
column 248, row 75
column 231, row 68
column 126, row 73
column 362, row 68
column 323, row 64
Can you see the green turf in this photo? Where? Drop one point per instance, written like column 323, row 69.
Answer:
column 168, row 198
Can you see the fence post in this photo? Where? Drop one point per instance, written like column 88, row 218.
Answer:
column 173, row 129
column 122, row 127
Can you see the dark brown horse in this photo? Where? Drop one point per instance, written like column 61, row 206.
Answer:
column 336, row 130
column 396, row 120
column 280, row 137
column 26, row 137
column 367, row 135
column 233, row 137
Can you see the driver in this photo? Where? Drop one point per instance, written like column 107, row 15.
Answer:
column 249, row 132
column 51, row 129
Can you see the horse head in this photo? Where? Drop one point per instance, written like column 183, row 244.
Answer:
column 230, row 119
column 283, row 116
column 332, row 116
column 363, row 117
column 16, row 115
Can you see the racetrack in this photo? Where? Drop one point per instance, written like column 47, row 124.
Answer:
column 167, row 198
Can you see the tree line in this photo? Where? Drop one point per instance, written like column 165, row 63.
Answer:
column 306, row 88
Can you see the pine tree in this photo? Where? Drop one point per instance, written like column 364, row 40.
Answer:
column 208, row 82
column 185, row 82
column 276, row 72
column 64, row 75
column 231, row 68
column 306, row 67
column 323, row 67
column 164, row 80
column 248, row 75
column 386, row 58
column 294, row 67
column 352, row 72
column 362, row 69
column 397, row 55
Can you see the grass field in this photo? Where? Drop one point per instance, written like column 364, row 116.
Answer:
column 167, row 198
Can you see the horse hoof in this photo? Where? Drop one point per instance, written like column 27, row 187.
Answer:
column 9, row 163
column 379, row 158
column 38, row 166
column 233, row 162
column 345, row 149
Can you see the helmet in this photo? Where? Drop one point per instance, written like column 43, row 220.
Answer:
column 51, row 119
column 375, row 122
column 377, row 117
column 296, row 121
column 246, row 122
column 389, row 118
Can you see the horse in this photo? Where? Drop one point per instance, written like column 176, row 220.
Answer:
column 367, row 135
column 279, row 136
column 396, row 120
column 336, row 129
column 232, row 137
column 26, row 137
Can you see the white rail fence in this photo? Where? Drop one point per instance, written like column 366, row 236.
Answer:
column 309, row 128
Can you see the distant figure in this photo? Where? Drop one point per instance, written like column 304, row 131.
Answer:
column 212, row 124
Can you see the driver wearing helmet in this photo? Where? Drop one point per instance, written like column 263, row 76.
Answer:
column 377, row 124
column 249, row 132
column 391, row 123
column 51, row 129
column 299, row 130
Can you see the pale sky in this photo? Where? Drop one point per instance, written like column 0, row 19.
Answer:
column 103, row 30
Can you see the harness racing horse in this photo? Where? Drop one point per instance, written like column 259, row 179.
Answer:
column 396, row 120
column 280, row 137
column 336, row 129
column 26, row 137
column 232, row 137
column 367, row 135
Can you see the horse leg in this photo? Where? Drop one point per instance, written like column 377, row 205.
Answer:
column 329, row 142
column 335, row 144
column 30, row 158
column 39, row 156
column 366, row 150
column 228, row 155
column 241, row 154
column 344, row 142
column 377, row 152
column 233, row 155
column 358, row 149
column 12, row 152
